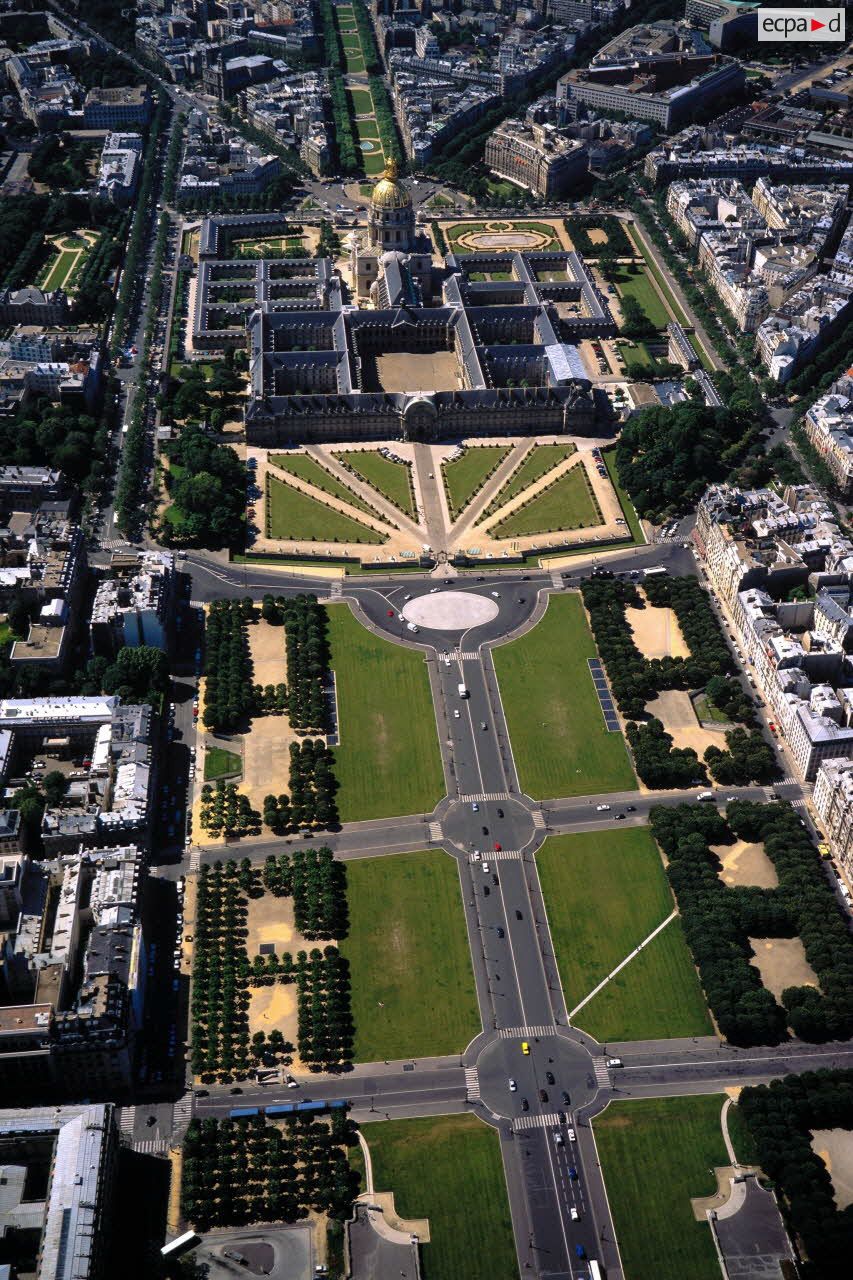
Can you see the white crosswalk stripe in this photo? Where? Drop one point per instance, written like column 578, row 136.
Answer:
column 602, row 1075
column 195, row 858
column 486, row 795
column 787, row 782
column 337, row 590
column 538, row 819
column 435, row 832
column 496, row 855
column 472, row 1083
column 196, row 604
column 524, row 1033
column 549, row 1121
column 464, row 656
column 151, row 1146
column 125, row 1119
column 116, row 544
column 557, row 580
column 182, row 1111
column 797, row 804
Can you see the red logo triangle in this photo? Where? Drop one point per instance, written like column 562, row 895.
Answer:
column 817, row 25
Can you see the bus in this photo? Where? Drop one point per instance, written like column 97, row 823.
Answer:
column 594, row 1270
column 180, row 1245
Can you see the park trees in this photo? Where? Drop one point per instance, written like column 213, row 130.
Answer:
column 307, row 647
column 229, row 695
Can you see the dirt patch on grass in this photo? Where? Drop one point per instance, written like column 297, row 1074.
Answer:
column 657, row 633
column 835, row 1148
column 746, row 864
column 782, row 963
column 275, row 1007
column 675, row 711
column 597, row 235
column 271, row 920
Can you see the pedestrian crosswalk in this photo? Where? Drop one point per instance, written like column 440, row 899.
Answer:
column 435, row 832
column 485, row 795
column 472, row 1083
column 787, row 782
column 454, row 655
column 196, row 604
column 602, row 1075
column 125, row 1120
column 115, row 544
column 797, row 804
column 550, row 1120
column 557, row 580
column 538, row 819
column 182, row 1111
column 336, row 590
column 496, row 855
column 195, row 858
column 151, row 1146
column 525, row 1033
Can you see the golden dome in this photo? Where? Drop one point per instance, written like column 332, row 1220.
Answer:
column 388, row 194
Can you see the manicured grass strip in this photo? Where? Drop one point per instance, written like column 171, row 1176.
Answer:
column 705, row 710
column 568, row 504
column 541, row 458
column 307, row 468
column 559, row 741
column 388, row 761
column 659, row 277
column 390, row 478
column 655, row 1154
column 604, row 892
column 373, row 161
column 609, row 458
column 654, row 997
column 362, row 103
column 412, row 983
column 294, row 515
column 701, row 353
column 61, row 269
column 641, row 288
column 219, row 763
column 448, row 1169
column 465, row 476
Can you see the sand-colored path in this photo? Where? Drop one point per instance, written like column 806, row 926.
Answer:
column 657, row 633
column 675, row 711
column 266, row 747
column 782, row 963
column 746, row 864
column 835, row 1148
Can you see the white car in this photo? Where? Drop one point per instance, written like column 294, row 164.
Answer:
column 573, row 1214
column 615, row 1062
column 602, row 808
column 475, row 807
column 456, row 715
column 496, row 594
column 571, row 1134
column 512, row 1085
column 486, row 868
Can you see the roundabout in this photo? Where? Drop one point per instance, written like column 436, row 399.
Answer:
column 451, row 610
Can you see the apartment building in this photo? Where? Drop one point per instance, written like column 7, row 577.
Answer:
column 667, row 90
column 829, row 426
column 832, row 799
column 537, row 157
column 117, row 108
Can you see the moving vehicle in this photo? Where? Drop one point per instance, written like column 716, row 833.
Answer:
column 602, row 808
column 525, row 1047
column 462, row 690
column 512, row 1085
column 705, row 795
column 615, row 1062
column 654, row 572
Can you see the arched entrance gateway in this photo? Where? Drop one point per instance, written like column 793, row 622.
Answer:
column 419, row 419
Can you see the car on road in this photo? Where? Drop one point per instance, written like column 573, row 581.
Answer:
column 620, row 817
column 615, row 1062
column 475, row 807
column 525, row 1047
column 486, row 868
column 565, row 1098
column 500, row 813
column 525, row 1105
column 549, row 1076
column 500, row 932
column 518, row 914
column 558, row 1138
column 573, row 1173
column 602, row 808
column 494, row 878
column 485, row 831
column 573, row 1214
column 496, row 594
column 456, row 713
column 483, row 724
column 512, row 1085
column 572, row 1135
column 543, row 1095
column 630, row 808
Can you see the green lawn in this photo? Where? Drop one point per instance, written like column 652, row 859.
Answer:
column 448, row 1169
column 60, row 269
column 539, row 458
column 568, row 504
column 412, row 984
column 362, row 104
column 636, row 353
column 390, row 478
column 609, row 458
column 466, row 475
column 373, row 161
column 706, row 710
column 658, row 275
column 354, row 61
column 641, row 288
column 604, row 892
column 294, row 515
column 555, row 722
column 219, row 763
column 654, row 997
column 388, row 761
column 655, row 1154
column 6, row 634
column 307, row 468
